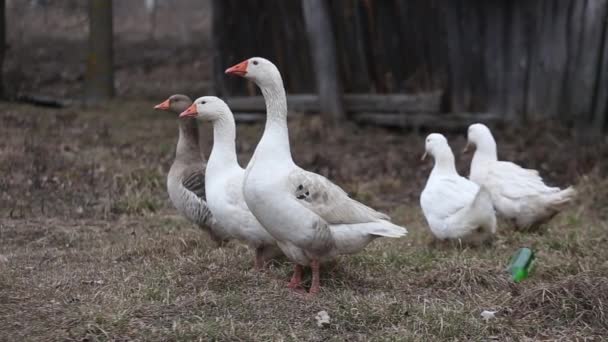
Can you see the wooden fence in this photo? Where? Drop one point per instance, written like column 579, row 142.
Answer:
column 521, row 59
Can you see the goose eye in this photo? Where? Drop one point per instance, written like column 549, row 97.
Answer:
column 203, row 102
column 255, row 62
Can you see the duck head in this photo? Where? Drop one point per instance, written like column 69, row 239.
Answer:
column 434, row 144
column 478, row 136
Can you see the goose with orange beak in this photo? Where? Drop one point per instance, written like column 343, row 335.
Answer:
column 312, row 219
column 186, row 177
column 224, row 181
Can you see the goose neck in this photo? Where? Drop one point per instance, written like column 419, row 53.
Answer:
column 485, row 150
column 276, row 135
column 223, row 153
column 444, row 162
column 187, row 141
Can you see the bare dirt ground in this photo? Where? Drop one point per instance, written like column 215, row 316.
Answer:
column 91, row 250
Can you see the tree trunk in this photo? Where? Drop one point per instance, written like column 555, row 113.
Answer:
column 321, row 39
column 99, row 84
column 2, row 44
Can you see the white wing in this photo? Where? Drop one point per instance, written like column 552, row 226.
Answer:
column 444, row 196
column 513, row 181
column 328, row 200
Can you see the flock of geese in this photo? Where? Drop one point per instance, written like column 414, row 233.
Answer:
column 278, row 208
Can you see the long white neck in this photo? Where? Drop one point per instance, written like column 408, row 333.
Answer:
column 223, row 153
column 485, row 150
column 276, row 136
column 444, row 162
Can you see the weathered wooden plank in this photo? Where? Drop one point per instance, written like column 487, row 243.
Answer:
column 548, row 59
column 447, row 121
column 600, row 105
column 321, row 40
column 518, row 26
column 443, row 121
column 276, row 32
column 584, row 71
column 493, row 22
column 537, row 58
column 457, row 84
column 406, row 103
column 398, row 103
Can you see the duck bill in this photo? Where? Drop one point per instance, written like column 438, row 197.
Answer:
column 423, row 156
column 163, row 105
column 190, row 112
column 467, row 147
column 238, row 69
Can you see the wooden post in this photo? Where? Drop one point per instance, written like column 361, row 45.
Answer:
column 99, row 79
column 2, row 44
column 323, row 48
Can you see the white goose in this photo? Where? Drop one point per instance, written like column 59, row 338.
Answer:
column 454, row 207
column 518, row 194
column 312, row 219
column 224, row 181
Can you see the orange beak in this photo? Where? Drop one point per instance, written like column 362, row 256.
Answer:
column 239, row 69
column 164, row 105
column 190, row 112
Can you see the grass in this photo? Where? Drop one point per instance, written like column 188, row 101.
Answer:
column 91, row 250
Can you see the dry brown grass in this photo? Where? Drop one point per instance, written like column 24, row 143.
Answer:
column 90, row 248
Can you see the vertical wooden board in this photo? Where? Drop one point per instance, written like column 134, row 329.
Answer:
column 493, row 19
column 582, row 79
column 574, row 31
column 292, row 49
column 467, row 81
column 457, row 87
column 436, row 44
column 380, row 42
column 518, row 32
column 351, row 45
column 474, row 47
column 270, row 29
column 549, row 60
column 600, row 104
column 375, row 46
column 412, row 59
column 323, row 50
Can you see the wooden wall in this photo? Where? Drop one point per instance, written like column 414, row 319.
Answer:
column 524, row 59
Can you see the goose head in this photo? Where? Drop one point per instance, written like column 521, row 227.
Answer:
column 207, row 108
column 435, row 145
column 479, row 136
column 257, row 69
column 175, row 103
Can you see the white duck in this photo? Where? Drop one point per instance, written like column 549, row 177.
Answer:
column 186, row 177
column 454, row 207
column 518, row 194
column 312, row 219
column 224, row 181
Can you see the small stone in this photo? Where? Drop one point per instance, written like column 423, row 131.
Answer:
column 488, row 315
column 323, row 319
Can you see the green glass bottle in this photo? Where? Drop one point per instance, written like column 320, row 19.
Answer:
column 520, row 264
